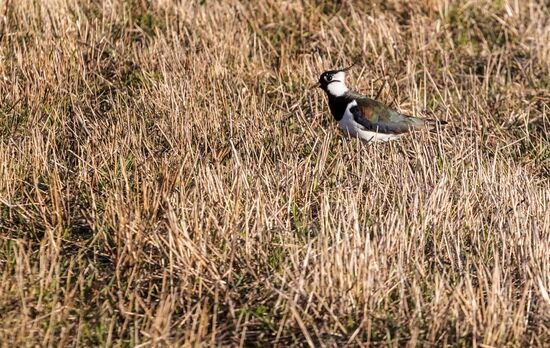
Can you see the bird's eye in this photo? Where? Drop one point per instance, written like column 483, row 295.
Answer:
column 328, row 78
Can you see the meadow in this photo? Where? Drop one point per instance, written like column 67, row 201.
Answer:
column 168, row 178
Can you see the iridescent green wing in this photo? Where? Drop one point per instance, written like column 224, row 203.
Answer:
column 377, row 117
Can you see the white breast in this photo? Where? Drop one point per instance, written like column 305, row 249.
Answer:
column 354, row 129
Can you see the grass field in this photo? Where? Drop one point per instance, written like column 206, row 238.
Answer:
column 167, row 177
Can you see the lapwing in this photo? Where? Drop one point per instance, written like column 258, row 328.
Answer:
column 365, row 118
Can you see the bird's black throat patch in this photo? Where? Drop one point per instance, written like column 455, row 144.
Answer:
column 338, row 105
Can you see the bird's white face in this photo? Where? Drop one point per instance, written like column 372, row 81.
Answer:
column 337, row 87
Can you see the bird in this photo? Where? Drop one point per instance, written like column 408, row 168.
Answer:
column 365, row 118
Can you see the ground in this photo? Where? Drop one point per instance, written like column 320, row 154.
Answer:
column 167, row 177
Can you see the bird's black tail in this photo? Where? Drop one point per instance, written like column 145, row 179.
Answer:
column 434, row 124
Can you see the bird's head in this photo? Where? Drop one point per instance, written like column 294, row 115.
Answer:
column 333, row 82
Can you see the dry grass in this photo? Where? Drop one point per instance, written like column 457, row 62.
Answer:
column 167, row 178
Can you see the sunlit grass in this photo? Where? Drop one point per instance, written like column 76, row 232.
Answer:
column 167, row 177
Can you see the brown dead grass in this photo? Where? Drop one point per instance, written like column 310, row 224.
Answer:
column 166, row 177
